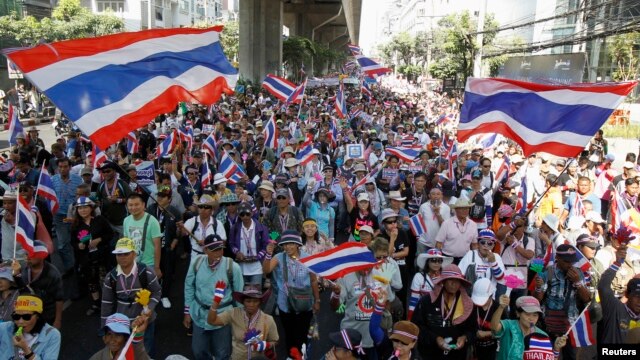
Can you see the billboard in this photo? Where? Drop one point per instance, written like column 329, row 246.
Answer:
column 556, row 68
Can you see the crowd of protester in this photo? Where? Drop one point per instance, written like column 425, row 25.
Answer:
column 441, row 295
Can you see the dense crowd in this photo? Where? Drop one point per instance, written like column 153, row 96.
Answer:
column 498, row 271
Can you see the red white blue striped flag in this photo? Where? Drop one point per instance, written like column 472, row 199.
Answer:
column 270, row 133
column 45, row 190
column 26, row 226
column 278, row 87
column 15, row 126
column 230, row 169
column 405, row 153
column 559, row 120
column 581, row 333
column 342, row 260
column 114, row 84
column 417, row 225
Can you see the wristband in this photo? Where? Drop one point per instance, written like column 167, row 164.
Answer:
column 186, row 310
column 538, row 289
column 138, row 337
column 268, row 256
column 556, row 354
column 515, row 244
column 579, row 284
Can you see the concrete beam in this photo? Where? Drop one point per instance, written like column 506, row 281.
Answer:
column 312, row 8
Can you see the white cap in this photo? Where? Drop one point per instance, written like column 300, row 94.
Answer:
column 482, row 291
column 363, row 196
column 628, row 165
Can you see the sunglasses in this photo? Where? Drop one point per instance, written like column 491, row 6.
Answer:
column 281, row 198
column 389, row 222
column 486, row 243
column 192, row 173
column 245, row 214
column 401, row 342
column 438, row 261
column 382, row 257
column 25, row 317
column 207, row 207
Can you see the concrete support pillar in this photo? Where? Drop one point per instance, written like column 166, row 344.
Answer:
column 260, row 38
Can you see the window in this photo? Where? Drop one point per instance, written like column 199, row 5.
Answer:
column 159, row 13
column 184, row 6
column 110, row 5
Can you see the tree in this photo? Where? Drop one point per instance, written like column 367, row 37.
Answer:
column 624, row 52
column 297, row 50
column 230, row 38
column 69, row 21
column 455, row 43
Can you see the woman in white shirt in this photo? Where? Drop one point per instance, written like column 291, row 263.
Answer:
column 487, row 264
column 429, row 266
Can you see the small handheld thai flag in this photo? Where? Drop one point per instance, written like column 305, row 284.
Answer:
column 417, row 225
column 15, row 126
column 99, row 157
column 521, row 206
column 270, row 133
column 502, row 174
column 340, row 104
column 210, row 146
column 186, row 134
column 230, row 169
column 278, row 87
column 405, row 153
column 581, row 333
column 26, row 226
column 342, row 260
column 364, row 89
column 167, row 146
column 132, row 143
column 45, row 190
column 297, row 95
column 305, row 153
column 355, row 49
column 207, row 176
column 582, row 262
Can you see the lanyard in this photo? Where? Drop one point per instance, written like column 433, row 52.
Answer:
column 111, row 192
column 246, row 237
column 284, row 220
column 485, row 315
column 450, row 313
column 123, row 283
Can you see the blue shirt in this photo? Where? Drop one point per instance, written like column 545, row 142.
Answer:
column 65, row 191
column 46, row 346
column 297, row 276
column 571, row 201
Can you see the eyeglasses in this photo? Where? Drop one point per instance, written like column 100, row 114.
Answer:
column 281, row 198
column 245, row 214
column 382, row 257
column 206, row 207
column 486, row 243
column 486, row 166
column 192, row 173
column 25, row 317
column 389, row 222
column 398, row 341
column 438, row 261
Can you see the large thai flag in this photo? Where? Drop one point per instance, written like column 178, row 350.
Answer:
column 15, row 126
column 99, row 156
column 340, row 103
column 210, row 146
column 270, row 133
column 45, row 190
column 305, row 153
column 555, row 119
column 167, row 146
column 297, row 95
column 113, row 84
column 230, row 169
column 132, row 143
column 26, row 226
column 342, row 260
column 278, row 87
column 370, row 67
column 355, row 49
column 581, row 333
column 405, row 153
column 417, row 225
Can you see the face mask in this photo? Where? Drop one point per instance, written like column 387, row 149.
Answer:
column 420, row 131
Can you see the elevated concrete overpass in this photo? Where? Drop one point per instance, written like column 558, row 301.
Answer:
column 331, row 22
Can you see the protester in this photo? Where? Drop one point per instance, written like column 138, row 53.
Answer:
column 429, row 266
column 117, row 330
column 8, row 294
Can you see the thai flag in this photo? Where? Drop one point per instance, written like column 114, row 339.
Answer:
column 582, row 262
column 442, row 119
column 387, row 104
column 556, row 119
column 487, row 140
column 132, row 143
column 452, row 157
column 40, row 250
column 278, row 87
column 113, row 84
column 342, row 260
column 186, row 134
column 578, row 207
column 207, row 175
column 540, row 344
column 333, row 133
column 522, row 206
column 581, row 333
column 230, row 170
column 26, row 228
column 355, row 112
column 297, row 95
column 364, row 89
column 370, row 67
column 340, row 104
column 502, row 174
column 167, row 146
column 405, row 153
column 371, row 175
column 355, row 49
column 621, row 216
column 417, row 225
column 210, row 146
column 99, row 157
column 305, row 153
column 270, row 133
column 45, row 190
column 408, row 140
column 15, row 126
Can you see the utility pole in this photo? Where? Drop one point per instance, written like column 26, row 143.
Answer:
column 149, row 16
column 477, row 61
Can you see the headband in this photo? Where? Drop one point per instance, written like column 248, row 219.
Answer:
column 405, row 334
column 309, row 222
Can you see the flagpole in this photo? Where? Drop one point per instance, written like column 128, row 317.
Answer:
column 15, row 223
column 555, row 182
column 577, row 319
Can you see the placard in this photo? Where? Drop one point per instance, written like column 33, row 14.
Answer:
column 207, row 128
column 389, row 174
column 355, row 151
column 146, row 173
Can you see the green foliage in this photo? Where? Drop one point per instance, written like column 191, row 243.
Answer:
column 230, row 38
column 326, row 57
column 624, row 52
column 411, row 72
column 297, row 50
column 455, row 46
column 69, row 21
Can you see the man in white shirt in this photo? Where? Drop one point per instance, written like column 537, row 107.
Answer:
column 434, row 212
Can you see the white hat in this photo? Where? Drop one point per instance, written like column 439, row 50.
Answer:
column 434, row 253
column 545, row 157
column 628, row 165
column 461, row 203
column 363, row 196
column 219, row 179
column 291, row 162
column 552, row 221
column 517, row 158
column 595, row 217
column 396, row 195
column 367, row 228
column 482, row 291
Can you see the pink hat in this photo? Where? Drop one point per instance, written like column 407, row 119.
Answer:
column 505, row 211
column 452, row 271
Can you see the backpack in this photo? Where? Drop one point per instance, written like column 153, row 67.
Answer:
column 142, row 275
column 478, row 209
column 196, row 267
